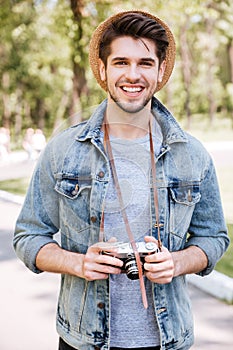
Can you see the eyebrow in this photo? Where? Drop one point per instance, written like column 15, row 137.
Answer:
column 143, row 59
column 148, row 59
column 119, row 59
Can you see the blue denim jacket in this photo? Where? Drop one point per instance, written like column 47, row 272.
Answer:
column 66, row 194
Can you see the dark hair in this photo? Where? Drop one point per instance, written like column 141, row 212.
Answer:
column 137, row 26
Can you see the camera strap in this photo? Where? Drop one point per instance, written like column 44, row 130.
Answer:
column 108, row 148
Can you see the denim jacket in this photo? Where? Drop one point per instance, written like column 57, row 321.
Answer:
column 66, row 194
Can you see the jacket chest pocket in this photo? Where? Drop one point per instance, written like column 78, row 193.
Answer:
column 75, row 192
column 71, row 186
column 182, row 201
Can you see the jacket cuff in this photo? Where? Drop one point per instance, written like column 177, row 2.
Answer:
column 32, row 249
column 212, row 253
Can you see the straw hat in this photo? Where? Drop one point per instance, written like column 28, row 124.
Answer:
column 97, row 35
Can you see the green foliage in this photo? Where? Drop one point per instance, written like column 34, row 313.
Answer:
column 225, row 265
column 15, row 186
column 44, row 48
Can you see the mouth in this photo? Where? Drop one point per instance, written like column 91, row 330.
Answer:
column 132, row 90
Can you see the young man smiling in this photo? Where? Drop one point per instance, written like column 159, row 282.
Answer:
column 132, row 79
column 128, row 174
column 131, row 73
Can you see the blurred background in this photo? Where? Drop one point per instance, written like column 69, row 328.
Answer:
column 45, row 74
column 46, row 85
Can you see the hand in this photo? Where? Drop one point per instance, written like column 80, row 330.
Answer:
column 159, row 267
column 97, row 266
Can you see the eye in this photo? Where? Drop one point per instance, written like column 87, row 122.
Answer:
column 146, row 64
column 120, row 63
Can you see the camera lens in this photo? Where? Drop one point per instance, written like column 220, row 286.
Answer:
column 131, row 268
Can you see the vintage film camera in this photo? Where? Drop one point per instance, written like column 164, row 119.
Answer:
column 125, row 253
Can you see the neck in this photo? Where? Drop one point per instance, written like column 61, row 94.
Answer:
column 126, row 125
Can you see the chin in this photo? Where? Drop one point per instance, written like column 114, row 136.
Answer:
column 131, row 107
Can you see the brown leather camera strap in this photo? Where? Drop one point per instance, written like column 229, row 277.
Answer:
column 108, row 149
column 155, row 192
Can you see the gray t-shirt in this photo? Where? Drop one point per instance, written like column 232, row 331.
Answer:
column 130, row 324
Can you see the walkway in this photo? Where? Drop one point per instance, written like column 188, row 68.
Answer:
column 28, row 301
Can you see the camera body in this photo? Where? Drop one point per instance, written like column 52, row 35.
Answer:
column 125, row 253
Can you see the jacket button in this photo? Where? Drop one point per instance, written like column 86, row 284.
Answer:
column 156, row 225
column 93, row 219
column 163, row 309
column 101, row 174
column 75, row 191
column 101, row 305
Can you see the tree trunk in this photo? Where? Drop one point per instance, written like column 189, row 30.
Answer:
column 40, row 114
column 18, row 115
column 6, row 100
column 186, row 69
column 60, row 124
column 79, row 77
column 230, row 51
column 209, row 71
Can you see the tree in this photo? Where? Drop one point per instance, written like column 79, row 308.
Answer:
column 15, row 19
column 44, row 69
column 79, row 56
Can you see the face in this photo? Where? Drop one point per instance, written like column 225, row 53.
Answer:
column 132, row 73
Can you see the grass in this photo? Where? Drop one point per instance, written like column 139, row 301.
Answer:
column 224, row 174
column 16, row 186
column 221, row 130
column 225, row 265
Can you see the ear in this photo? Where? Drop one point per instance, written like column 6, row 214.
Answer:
column 102, row 70
column 161, row 71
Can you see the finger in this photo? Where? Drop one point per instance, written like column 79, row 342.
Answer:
column 95, row 256
column 96, row 271
column 150, row 239
column 102, row 268
column 166, row 265
column 112, row 240
column 159, row 278
column 99, row 247
column 155, row 258
column 108, row 260
column 93, row 275
column 159, row 273
column 159, row 256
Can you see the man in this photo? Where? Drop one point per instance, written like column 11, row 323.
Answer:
column 98, row 183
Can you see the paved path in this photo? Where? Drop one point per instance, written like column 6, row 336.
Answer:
column 16, row 166
column 213, row 321
column 28, row 301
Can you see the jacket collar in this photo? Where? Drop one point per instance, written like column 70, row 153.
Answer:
column 171, row 130
column 91, row 128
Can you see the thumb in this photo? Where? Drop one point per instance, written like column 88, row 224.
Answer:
column 150, row 239
column 112, row 240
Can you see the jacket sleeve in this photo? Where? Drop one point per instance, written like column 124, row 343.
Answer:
column 38, row 220
column 208, row 229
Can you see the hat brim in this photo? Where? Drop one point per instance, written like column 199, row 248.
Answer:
column 97, row 35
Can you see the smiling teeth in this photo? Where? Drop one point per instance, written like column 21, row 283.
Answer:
column 132, row 89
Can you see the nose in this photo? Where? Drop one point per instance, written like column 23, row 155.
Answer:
column 132, row 73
